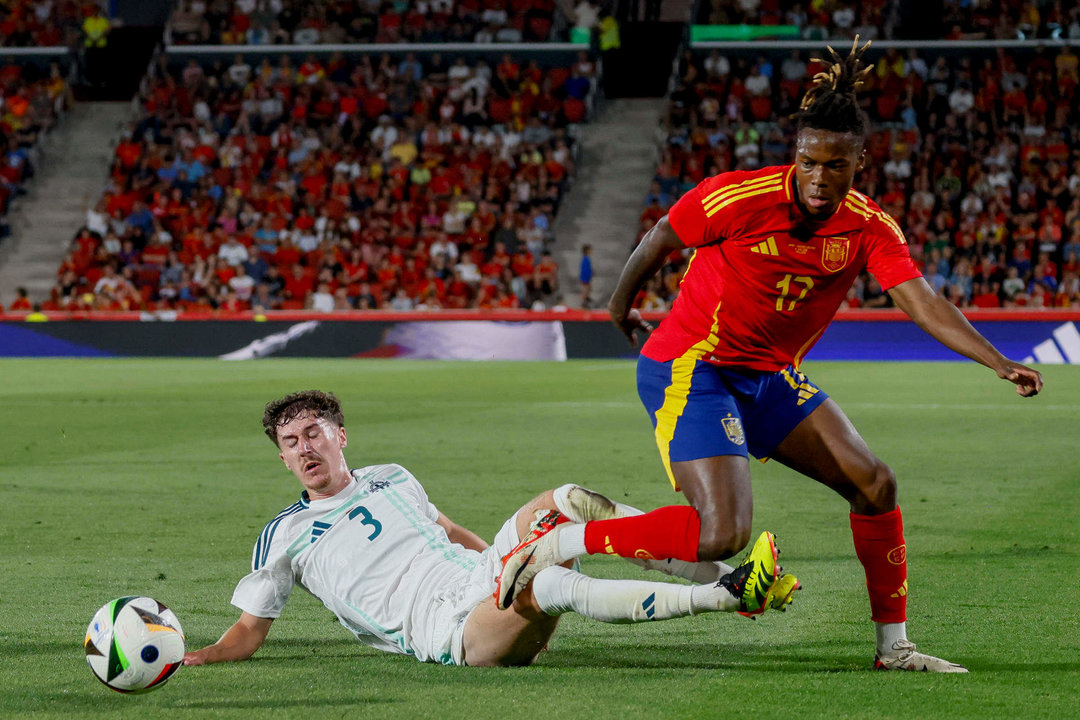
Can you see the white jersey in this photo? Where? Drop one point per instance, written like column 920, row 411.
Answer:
column 378, row 560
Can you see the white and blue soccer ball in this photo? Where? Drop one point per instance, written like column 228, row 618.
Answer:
column 134, row 644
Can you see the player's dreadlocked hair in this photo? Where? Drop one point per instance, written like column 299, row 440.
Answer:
column 317, row 402
column 831, row 103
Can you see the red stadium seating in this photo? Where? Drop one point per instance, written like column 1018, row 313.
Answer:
column 258, row 171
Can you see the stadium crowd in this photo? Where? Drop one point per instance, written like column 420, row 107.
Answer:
column 47, row 23
column 977, row 157
column 31, row 101
column 303, row 22
column 34, row 96
column 397, row 184
column 873, row 19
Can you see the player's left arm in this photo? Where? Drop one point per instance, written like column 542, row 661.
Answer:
column 946, row 324
column 461, row 535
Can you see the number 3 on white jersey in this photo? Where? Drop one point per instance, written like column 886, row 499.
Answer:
column 366, row 519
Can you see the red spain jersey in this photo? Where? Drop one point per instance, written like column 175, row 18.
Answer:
column 765, row 280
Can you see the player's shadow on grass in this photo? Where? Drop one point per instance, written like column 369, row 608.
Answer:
column 1009, row 553
column 293, row 649
column 794, row 658
column 824, row 657
column 1046, row 667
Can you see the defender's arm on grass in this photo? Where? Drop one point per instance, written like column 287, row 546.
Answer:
column 647, row 259
column 238, row 643
column 946, row 324
column 248, row 634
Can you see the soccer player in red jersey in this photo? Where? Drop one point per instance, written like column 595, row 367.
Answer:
column 776, row 251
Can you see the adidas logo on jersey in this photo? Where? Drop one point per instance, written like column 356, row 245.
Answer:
column 318, row 528
column 766, row 247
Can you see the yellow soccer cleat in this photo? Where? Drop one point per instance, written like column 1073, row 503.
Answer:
column 752, row 581
column 782, row 591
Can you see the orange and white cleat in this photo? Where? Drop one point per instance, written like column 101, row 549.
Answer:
column 538, row 550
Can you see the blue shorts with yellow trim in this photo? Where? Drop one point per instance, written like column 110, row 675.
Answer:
column 700, row 410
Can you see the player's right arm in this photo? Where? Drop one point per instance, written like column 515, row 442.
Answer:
column 238, row 643
column 645, row 261
column 260, row 595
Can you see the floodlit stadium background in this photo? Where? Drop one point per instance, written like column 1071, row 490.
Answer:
column 342, row 180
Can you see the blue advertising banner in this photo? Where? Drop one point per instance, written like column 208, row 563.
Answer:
column 1045, row 340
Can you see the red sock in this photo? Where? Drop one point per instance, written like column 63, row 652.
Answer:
column 668, row 532
column 879, row 543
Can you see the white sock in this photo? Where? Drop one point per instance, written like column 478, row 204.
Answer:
column 887, row 635
column 558, row 590
column 571, row 541
column 699, row 573
column 626, row 510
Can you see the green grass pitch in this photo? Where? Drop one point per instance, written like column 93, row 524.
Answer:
column 153, row 477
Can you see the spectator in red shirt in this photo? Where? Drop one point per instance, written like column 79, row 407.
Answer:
column 21, row 303
column 298, row 284
column 987, row 296
column 546, row 276
column 521, row 264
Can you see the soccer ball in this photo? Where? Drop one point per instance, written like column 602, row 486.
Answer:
column 134, row 644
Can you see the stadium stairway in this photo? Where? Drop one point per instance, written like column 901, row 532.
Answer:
column 617, row 162
column 72, row 169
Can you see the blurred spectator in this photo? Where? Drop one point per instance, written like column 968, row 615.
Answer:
column 309, row 22
column 401, row 302
column 586, row 15
column 21, row 303
column 283, row 187
column 322, row 300
column 873, row 19
column 978, row 159
column 31, row 102
column 585, row 276
column 48, row 23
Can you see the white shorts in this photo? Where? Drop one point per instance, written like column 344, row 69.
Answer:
column 453, row 612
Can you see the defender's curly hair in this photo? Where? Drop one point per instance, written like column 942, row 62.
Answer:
column 318, row 403
column 831, row 103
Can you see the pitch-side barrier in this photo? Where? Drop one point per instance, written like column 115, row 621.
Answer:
column 1049, row 336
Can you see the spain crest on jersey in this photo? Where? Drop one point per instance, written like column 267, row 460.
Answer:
column 733, row 429
column 834, row 253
